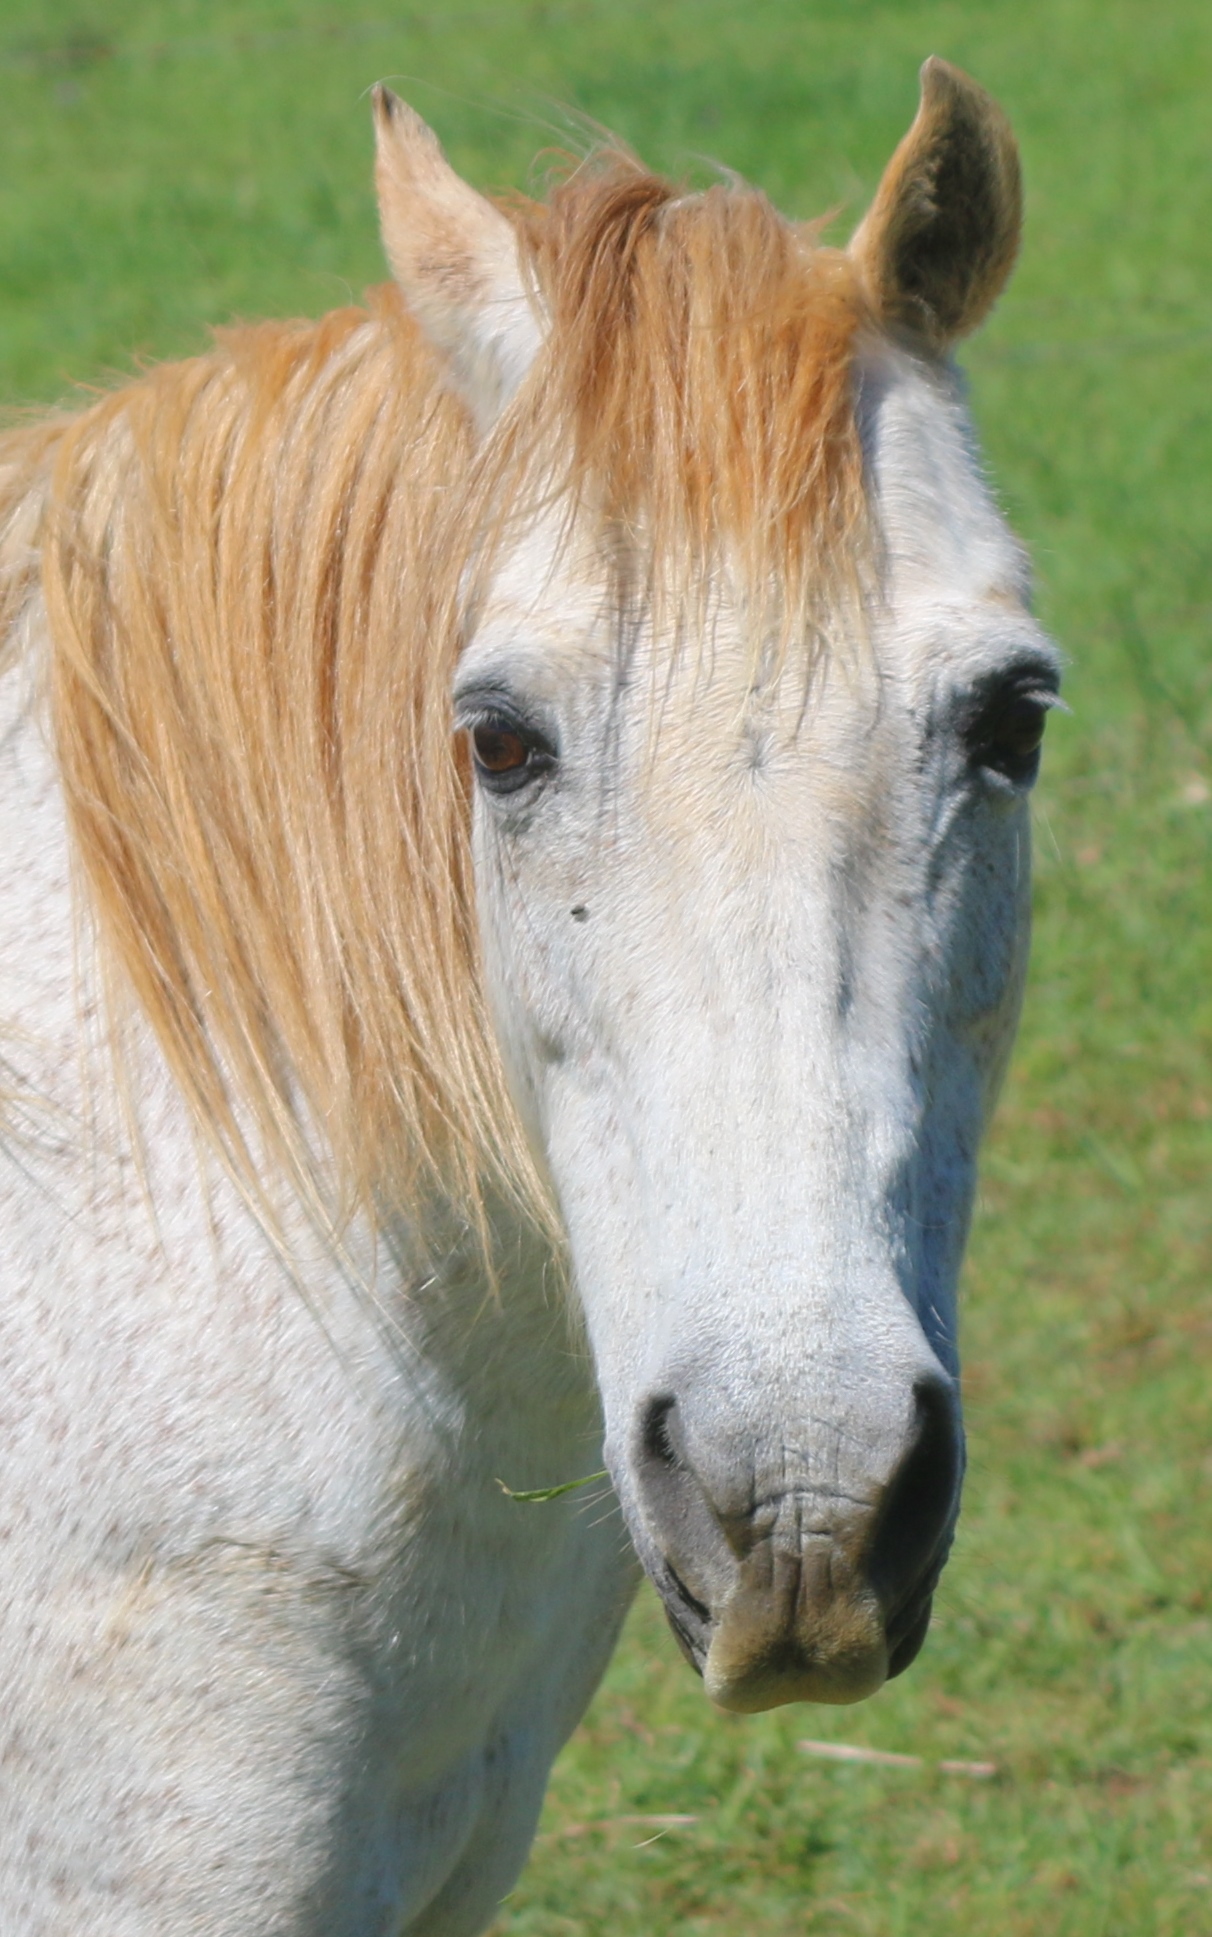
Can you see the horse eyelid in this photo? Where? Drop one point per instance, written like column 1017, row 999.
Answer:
column 499, row 710
column 1032, row 684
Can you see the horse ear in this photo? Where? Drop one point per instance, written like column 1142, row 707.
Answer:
column 937, row 244
column 455, row 257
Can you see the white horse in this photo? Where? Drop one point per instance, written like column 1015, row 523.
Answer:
column 514, row 900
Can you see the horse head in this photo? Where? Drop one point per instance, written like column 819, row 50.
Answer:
column 753, row 702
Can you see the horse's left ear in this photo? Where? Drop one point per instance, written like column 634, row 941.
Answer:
column 938, row 243
column 455, row 257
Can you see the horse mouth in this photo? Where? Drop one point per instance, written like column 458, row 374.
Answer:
column 762, row 1650
column 795, row 1626
column 907, row 1634
column 689, row 1620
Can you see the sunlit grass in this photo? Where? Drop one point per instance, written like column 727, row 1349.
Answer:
column 164, row 166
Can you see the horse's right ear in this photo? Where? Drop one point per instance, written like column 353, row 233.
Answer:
column 938, row 243
column 455, row 257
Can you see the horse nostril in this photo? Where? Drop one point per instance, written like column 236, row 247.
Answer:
column 919, row 1504
column 656, row 1440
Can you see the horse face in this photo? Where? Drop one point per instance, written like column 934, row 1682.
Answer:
column 754, row 935
column 755, row 952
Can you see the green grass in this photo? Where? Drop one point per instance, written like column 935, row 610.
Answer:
column 167, row 165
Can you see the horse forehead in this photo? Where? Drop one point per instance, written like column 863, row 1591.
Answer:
column 956, row 593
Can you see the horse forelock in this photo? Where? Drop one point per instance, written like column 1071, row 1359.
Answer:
column 696, row 391
column 253, row 566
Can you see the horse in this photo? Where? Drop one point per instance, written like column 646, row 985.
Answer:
column 515, row 811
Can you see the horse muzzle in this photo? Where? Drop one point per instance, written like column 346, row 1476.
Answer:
column 782, row 1587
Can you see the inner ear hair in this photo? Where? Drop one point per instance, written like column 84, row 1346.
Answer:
column 937, row 245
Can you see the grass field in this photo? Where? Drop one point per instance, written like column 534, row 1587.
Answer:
column 165, row 165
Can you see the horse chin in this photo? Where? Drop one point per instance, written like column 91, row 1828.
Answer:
column 778, row 1679
column 756, row 1660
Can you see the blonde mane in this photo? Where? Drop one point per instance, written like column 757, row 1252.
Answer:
column 254, row 565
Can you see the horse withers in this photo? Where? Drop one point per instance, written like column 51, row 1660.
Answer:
column 514, row 908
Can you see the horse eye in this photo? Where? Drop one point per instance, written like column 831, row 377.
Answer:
column 508, row 757
column 498, row 750
column 1009, row 735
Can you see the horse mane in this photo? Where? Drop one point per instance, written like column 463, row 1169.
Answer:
column 255, row 565
column 699, row 385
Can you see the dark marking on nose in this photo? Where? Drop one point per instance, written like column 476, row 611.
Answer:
column 580, row 912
